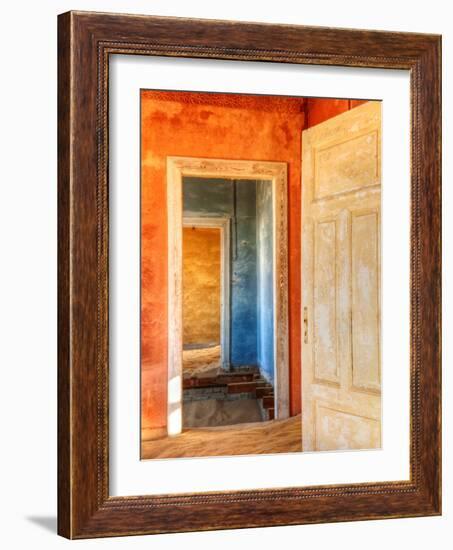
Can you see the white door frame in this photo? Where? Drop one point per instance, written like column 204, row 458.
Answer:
column 276, row 172
column 223, row 224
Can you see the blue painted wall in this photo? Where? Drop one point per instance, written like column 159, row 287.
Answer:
column 265, row 299
column 217, row 197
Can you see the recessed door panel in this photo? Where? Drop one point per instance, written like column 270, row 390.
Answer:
column 324, row 303
column 365, row 301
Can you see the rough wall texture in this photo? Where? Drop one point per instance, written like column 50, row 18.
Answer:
column 265, row 301
column 201, row 286
column 243, row 277
column 216, row 126
column 237, row 200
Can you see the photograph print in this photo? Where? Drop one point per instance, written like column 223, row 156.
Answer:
column 260, row 274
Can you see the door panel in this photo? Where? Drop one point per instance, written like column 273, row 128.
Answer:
column 341, row 201
column 338, row 429
column 365, row 300
column 346, row 164
column 324, row 310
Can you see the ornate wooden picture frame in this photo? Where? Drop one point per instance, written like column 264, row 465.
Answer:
column 85, row 507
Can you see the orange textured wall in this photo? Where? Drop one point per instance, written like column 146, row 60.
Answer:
column 201, row 285
column 216, row 126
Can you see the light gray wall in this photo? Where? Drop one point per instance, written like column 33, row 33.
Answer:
column 265, row 293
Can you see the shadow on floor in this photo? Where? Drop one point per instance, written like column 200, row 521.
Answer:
column 49, row 523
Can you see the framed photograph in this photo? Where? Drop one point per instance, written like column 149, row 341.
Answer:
column 249, row 275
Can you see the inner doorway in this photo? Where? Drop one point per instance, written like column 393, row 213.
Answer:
column 206, row 294
column 202, row 348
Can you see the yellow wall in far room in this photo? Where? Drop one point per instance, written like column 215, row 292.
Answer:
column 201, row 285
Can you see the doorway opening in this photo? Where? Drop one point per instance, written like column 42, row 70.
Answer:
column 222, row 376
column 228, row 348
column 202, row 349
column 206, row 294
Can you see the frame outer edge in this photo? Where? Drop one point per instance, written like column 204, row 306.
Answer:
column 439, row 318
column 64, row 527
column 426, row 167
column 432, row 270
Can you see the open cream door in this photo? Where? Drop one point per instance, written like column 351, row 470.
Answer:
column 341, row 202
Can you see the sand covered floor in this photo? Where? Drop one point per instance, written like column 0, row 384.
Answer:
column 274, row 436
column 201, row 361
column 214, row 412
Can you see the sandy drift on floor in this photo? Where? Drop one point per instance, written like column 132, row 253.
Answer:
column 274, row 436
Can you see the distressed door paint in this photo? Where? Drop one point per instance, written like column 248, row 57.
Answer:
column 341, row 202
